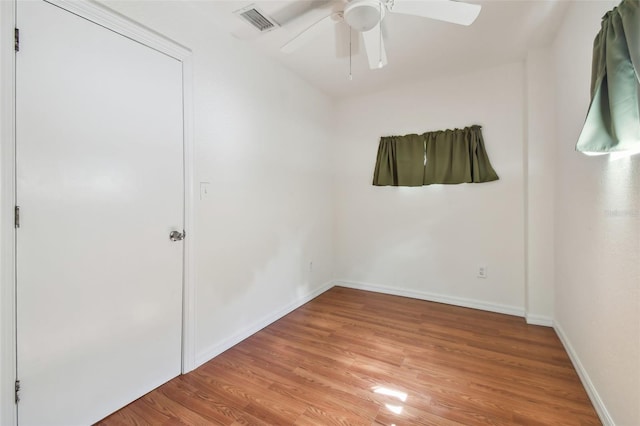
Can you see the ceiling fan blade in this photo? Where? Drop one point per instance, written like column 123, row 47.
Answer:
column 442, row 10
column 296, row 10
column 309, row 34
column 374, row 46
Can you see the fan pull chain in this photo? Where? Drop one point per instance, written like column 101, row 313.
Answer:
column 350, row 41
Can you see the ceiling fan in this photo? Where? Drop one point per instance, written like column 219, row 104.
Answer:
column 366, row 16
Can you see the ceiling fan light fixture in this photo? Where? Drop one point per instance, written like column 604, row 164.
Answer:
column 363, row 15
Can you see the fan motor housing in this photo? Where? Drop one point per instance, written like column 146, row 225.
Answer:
column 364, row 15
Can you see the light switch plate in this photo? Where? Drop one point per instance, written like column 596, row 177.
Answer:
column 204, row 190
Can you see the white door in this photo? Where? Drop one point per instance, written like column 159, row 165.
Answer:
column 100, row 187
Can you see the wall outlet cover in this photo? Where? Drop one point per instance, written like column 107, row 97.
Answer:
column 482, row 271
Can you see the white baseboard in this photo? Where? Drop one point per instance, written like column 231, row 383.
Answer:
column 214, row 350
column 434, row 297
column 597, row 402
column 534, row 319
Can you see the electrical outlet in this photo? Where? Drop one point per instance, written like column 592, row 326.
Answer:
column 482, row 271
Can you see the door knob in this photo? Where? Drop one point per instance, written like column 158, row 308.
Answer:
column 177, row 235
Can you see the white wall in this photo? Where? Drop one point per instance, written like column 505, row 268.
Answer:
column 262, row 139
column 429, row 241
column 597, row 294
column 539, row 188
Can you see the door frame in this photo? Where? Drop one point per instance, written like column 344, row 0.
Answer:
column 128, row 28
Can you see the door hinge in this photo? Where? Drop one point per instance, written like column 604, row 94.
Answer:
column 16, row 39
column 17, row 217
column 17, row 391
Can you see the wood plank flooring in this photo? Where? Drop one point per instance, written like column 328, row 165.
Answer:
column 351, row 357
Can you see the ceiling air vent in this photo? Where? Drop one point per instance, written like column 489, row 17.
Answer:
column 257, row 19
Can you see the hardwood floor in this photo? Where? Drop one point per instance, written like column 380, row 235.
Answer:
column 351, row 357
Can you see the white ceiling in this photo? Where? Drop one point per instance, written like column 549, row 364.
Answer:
column 417, row 48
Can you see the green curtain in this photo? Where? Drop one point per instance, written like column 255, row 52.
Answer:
column 400, row 161
column 442, row 157
column 613, row 120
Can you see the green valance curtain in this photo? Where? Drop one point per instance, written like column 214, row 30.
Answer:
column 444, row 157
column 613, row 120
